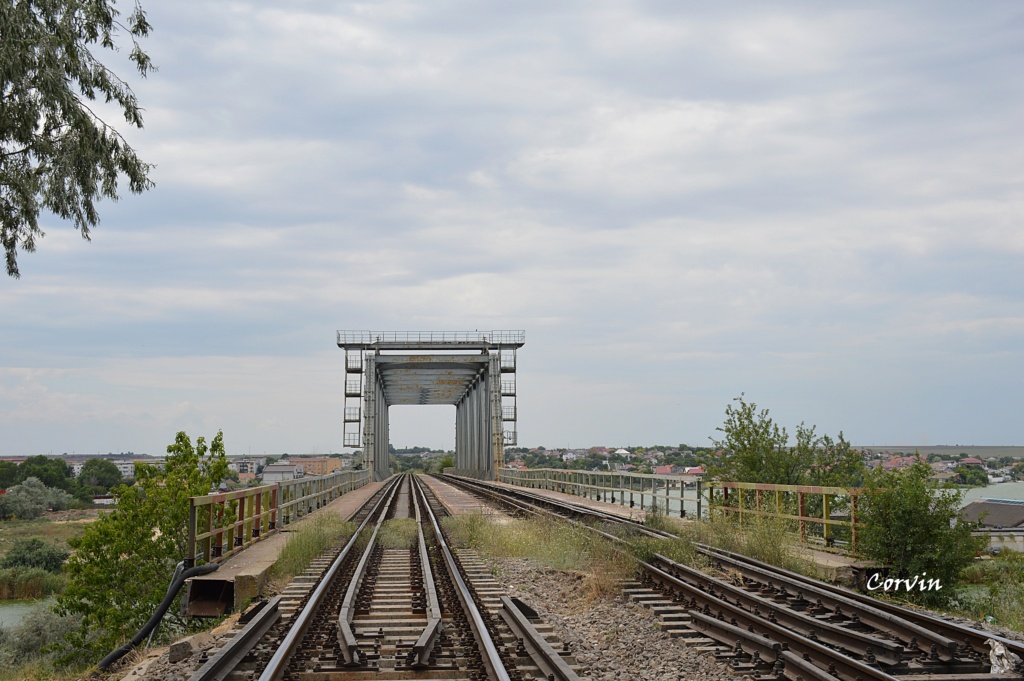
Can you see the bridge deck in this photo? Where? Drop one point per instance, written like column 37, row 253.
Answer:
column 242, row 576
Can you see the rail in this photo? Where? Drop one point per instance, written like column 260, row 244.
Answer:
column 676, row 495
column 221, row 525
column 797, row 503
column 475, row 338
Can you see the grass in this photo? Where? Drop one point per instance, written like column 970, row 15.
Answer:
column 312, row 538
column 56, row 532
column 995, row 589
column 398, row 533
column 555, row 545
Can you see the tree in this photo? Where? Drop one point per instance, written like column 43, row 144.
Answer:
column 8, row 474
column 55, row 151
column 144, row 536
column 975, row 477
column 30, row 499
column 100, row 473
column 756, row 449
column 51, row 472
column 914, row 527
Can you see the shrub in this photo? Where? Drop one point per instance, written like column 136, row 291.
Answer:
column 31, row 499
column 124, row 561
column 39, row 637
column 914, row 527
column 29, row 582
column 35, row 553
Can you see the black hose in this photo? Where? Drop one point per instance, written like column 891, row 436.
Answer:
column 172, row 591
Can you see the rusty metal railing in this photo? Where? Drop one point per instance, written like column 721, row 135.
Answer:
column 794, row 503
column 221, row 525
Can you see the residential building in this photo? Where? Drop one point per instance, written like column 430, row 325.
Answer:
column 279, row 472
column 317, row 465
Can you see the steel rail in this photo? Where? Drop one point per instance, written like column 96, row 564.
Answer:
column 547, row 659
column 794, row 667
column 828, row 632
column 575, row 509
column 346, row 637
column 968, row 635
column 944, row 648
column 895, row 624
column 276, row 667
column 424, row 645
column 818, row 653
column 224, row 662
column 492, row 659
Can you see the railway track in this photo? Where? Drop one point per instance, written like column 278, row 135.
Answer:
column 386, row 608
column 770, row 623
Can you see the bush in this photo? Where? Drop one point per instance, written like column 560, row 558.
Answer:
column 35, row 553
column 39, row 637
column 29, row 582
column 123, row 562
column 914, row 527
column 31, row 499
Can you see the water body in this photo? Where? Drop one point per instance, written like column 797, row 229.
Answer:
column 12, row 612
column 1003, row 490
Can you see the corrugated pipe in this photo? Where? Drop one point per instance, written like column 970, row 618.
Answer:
column 172, row 591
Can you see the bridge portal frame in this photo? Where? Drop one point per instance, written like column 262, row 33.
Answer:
column 472, row 370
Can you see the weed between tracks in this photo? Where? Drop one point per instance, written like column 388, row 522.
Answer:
column 313, row 537
column 552, row 544
column 398, row 533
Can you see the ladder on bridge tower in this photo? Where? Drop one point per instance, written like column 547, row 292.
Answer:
column 353, row 397
column 507, row 362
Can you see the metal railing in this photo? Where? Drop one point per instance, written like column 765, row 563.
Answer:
column 809, row 506
column 676, row 495
column 221, row 525
column 500, row 337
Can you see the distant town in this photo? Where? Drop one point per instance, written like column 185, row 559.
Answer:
column 965, row 465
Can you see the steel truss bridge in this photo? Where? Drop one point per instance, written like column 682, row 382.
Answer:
column 473, row 370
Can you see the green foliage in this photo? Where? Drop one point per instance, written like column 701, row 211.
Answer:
column 51, row 472
column 1000, row 593
column 55, row 151
column 143, row 537
column 975, row 477
column 37, row 639
column 8, row 474
column 30, row 500
column 756, row 449
column 35, row 553
column 29, row 582
column 100, row 473
column 1017, row 472
column 914, row 527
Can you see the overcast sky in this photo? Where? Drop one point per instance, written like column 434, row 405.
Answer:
column 816, row 204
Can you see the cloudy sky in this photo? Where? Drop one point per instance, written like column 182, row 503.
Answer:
column 816, row 204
